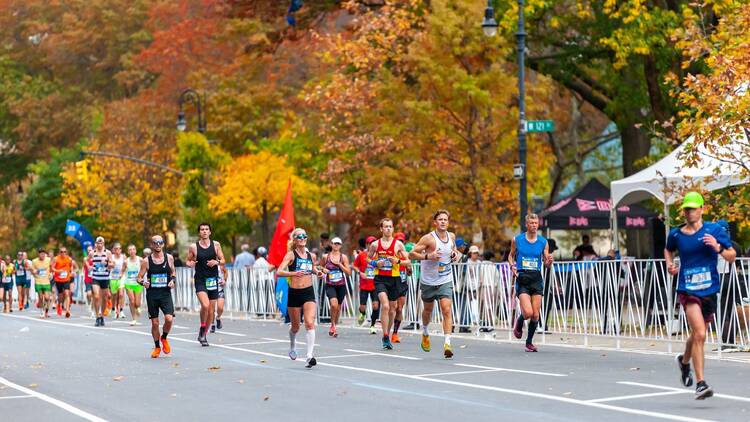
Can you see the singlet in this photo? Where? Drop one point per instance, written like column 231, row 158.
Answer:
column 86, row 272
column 63, row 269
column 301, row 264
column 203, row 255
column 388, row 269
column 100, row 271
column 439, row 272
column 336, row 276
column 8, row 276
column 115, row 273
column 158, row 274
column 131, row 271
column 529, row 255
column 42, row 270
column 21, row 275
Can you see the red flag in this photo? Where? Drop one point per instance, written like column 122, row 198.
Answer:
column 284, row 226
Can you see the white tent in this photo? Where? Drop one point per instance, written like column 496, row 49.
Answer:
column 669, row 176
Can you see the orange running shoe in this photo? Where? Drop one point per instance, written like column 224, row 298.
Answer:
column 155, row 354
column 395, row 338
column 106, row 311
column 165, row 346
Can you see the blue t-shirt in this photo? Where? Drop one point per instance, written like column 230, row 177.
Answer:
column 698, row 275
column 529, row 255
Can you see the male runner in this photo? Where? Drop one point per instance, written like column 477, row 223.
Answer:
column 63, row 267
column 40, row 268
column 22, row 268
column 116, row 281
column 366, row 284
column 206, row 257
column 158, row 268
column 100, row 259
column 387, row 255
column 528, row 251
column 437, row 251
column 403, row 291
column 8, row 269
column 699, row 245
column 88, row 267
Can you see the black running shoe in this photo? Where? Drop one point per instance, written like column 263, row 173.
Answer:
column 203, row 341
column 219, row 325
column 310, row 363
column 703, row 391
column 101, row 321
column 213, row 328
column 686, row 376
column 96, row 324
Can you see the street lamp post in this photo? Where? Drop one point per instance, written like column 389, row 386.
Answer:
column 192, row 96
column 489, row 27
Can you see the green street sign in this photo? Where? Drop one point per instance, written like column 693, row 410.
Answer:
column 540, row 126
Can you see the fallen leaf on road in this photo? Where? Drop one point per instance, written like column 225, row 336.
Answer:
column 24, row 330
column 463, row 346
column 32, row 385
column 635, row 369
column 118, row 378
column 265, row 398
column 604, row 354
column 175, row 365
column 568, row 393
column 262, row 361
column 36, row 365
column 214, row 368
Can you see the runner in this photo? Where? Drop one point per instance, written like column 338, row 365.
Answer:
column 117, row 281
column 224, row 276
column 22, row 267
column 100, row 259
column 206, row 257
column 437, row 251
column 158, row 270
column 336, row 268
column 40, row 268
column 528, row 252
column 7, row 288
column 63, row 267
column 366, row 284
column 388, row 255
column 403, row 290
column 88, row 266
column 131, row 267
column 297, row 265
column 698, row 244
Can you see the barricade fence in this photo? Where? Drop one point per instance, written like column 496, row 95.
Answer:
column 623, row 299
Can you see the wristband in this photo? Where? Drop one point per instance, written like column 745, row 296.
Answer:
column 173, row 278
column 374, row 263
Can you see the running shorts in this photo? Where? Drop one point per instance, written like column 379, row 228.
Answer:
column 115, row 285
column 41, row 288
column 529, row 282
column 62, row 286
column 298, row 297
column 208, row 286
column 135, row 288
column 707, row 304
column 388, row 285
column 159, row 299
column 441, row 291
column 364, row 294
column 23, row 283
column 337, row 292
column 8, row 286
column 87, row 286
column 403, row 289
column 103, row 284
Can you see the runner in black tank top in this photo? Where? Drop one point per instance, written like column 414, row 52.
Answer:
column 206, row 257
column 160, row 280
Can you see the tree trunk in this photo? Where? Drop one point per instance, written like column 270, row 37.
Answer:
column 635, row 145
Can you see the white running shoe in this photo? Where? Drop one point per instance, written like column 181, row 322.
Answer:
column 133, row 322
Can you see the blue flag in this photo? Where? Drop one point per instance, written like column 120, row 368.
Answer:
column 282, row 293
column 76, row 230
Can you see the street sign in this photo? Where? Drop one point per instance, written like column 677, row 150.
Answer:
column 519, row 171
column 540, row 126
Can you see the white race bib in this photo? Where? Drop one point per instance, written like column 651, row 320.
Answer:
column 698, row 278
column 158, row 280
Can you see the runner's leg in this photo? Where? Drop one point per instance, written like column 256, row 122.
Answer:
column 697, row 339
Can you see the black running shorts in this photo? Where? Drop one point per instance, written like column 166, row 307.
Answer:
column 389, row 286
column 529, row 282
column 298, row 297
column 159, row 298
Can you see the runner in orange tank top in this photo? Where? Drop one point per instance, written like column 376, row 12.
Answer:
column 62, row 269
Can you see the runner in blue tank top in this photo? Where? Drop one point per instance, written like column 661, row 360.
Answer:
column 699, row 245
column 528, row 252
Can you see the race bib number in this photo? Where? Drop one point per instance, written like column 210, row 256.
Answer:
column 529, row 263
column 698, row 278
column 42, row 272
column 115, row 274
column 212, row 283
column 403, row 277
column 369, row 272
column 444, row 268
column 387, row 265
column 305, row 265
column 335, row 277
column 99, row 267
column 20, row 272
column 131, row 275
column 8, row 279
column 62, row 274
column 158, row 280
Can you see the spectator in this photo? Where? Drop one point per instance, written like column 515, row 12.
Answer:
column 611, row 255
column 325, row 242
column 261, row 262
column 584, row 251
column 177, row 261
column 244, row 259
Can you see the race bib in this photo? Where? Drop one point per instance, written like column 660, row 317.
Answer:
column 403, row 277
column 369, row 272
column 212, row 283
column 20, row 272
column 305, row 265
column 99, row 267
column 444, row 268
column 387, row 265
column 115, row 274
column 42, row 272
column 158, row 280
column 335, row 277
column 62, row 274
column 8, row 279
column 529, row 263
column 131, row 276
column 697, row 278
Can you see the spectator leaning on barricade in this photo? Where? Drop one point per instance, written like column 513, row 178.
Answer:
column 244, row 259
column 584, row 251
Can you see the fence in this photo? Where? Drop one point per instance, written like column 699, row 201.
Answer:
column 622, row 299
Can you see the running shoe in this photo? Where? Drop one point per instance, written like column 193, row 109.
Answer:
column 59, row 311
column 395, row 338
column 67, row 314
column 332, row 331
column 531, row 348
column 101, row 321
column 156, row 352
column 132, row 323
column 202, row 340
column 293, row 354
column 26, row 306
column 425, row 343
column 122, row 315
column 213, row 328
column 373, row 330
column 361, row 319
column 387, row 345
column 310, row 363
column 165, row 346
column 219, row 325
column 41, row 315
column 703, row 391
column 96, row 324
column 518, row 329
column 686, row 376
column 447, row 351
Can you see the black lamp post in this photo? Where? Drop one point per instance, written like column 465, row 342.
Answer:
column 489, row 26
column 192, row 96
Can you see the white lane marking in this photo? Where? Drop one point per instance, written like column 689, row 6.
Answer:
column 229, row 333
column 179, row 326
column 251, row 343
column 520, row 371
column 15, row 397
column 365, row 352
column 355, row 355
column 478, row 371
column 278, row 340
column 170, row 334
column 636, row 396
column 664, row 387
column 658, row 415
column 59, row 403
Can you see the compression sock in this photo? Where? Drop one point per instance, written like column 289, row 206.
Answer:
column 310, row 339
column 396, row 325
column 532, row 329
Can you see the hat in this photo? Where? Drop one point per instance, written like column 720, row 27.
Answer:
column 100, row 239
column 692, row 200
column 474, row 249
column 399, row 236
column 460, row 242
column 370, row 239
column 336, row 240
column 262, row 251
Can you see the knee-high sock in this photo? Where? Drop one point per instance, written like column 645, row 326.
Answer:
column 519, row 322
column 310, row 338
column 374, row 315
column 532, row 330
column 396, row 324
column 292, row 339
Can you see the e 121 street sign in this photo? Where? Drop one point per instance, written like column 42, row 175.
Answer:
column 540, row 126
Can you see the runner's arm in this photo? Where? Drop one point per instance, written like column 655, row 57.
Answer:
column 219, row 253
column 420, row 249
column 512, row 257
column 456, row 254
column 190, row 260
column 344, row 265
column 142, row 272
column 281, row 271
column 172, row 272
column 548, row 258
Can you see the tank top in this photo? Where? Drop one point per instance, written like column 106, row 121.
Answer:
column 438, row 272
column 203, row 255
column 158, row 274
column 63, row 268
column 116, row 272
column 99, row 261
column 301, row 264
column 8, row 276
column 131, row 271
column 529, row 255
column 21, row 274
column 42, row 270
column 388, row 269
column 335, row 277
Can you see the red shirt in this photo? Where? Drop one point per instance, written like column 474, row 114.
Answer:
column 361, row 263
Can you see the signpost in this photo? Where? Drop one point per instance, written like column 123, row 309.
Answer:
column 540, row 126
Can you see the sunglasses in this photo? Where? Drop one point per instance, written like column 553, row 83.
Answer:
column 158, row 242
column 300, row 236
column 63, row 251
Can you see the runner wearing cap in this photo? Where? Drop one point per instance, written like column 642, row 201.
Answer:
column 22, row 268
column 528, row 252
column 403, row 291
column 206, row 257
column 438, row 252
column 63, row 268
column 40, row 268
column 699, row 245
column 157, row 274
column 335, row 268
column 366, row 284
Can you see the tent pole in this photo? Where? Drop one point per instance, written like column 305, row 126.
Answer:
column 615, row 237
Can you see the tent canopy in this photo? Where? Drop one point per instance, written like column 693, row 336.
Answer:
column 589, row 208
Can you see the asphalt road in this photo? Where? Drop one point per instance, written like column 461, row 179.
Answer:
column 68, row 369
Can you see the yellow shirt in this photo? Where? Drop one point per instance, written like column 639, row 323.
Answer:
column 42, row 270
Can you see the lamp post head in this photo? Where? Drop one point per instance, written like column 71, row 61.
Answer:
column 181, row 122
column 489, row 25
